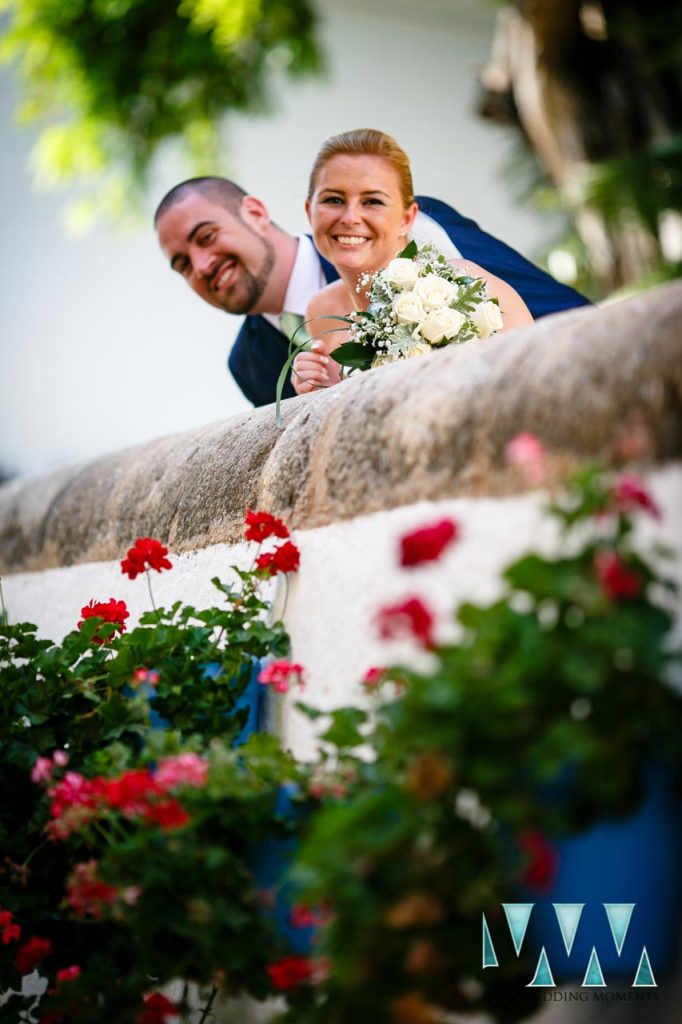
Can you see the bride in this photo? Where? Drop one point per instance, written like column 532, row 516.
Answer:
column 362, row 211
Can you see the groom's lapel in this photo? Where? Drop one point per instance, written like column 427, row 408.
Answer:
column 330, row 274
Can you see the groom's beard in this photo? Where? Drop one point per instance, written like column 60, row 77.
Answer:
column 248, row 288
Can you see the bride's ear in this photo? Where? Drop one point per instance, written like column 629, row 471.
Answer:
column 408, row 217
column 307, row 210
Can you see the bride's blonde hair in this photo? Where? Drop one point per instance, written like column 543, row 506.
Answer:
column 366, row 142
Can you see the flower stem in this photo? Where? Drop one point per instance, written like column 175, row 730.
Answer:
column 3, row 610
column 209, row 1005
column 149, row 588
column 34, row 851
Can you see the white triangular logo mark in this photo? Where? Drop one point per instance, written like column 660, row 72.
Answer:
column 489, row 955
column 645, row 976
column 619, row 915
column 518, row 916
column 543, row 977
column 568, row 916
column 594, row 977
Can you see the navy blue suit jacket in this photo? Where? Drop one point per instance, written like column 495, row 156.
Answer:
column 260, row 350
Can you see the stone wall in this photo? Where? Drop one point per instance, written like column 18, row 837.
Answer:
column 425, row 430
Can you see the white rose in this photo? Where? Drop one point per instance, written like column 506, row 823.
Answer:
column 434, row 291
column 382, row 359
column 401, row 273
column 407, row 308
column 487, row 319
column 418, row 350
column 441, row 324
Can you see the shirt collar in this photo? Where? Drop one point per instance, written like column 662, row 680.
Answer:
column 306, row 278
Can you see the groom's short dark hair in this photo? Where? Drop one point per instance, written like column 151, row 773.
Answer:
column 219, row 190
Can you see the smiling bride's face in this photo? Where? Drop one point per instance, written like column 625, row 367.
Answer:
column 357, row 213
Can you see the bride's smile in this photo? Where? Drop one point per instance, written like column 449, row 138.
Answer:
column 357, row 213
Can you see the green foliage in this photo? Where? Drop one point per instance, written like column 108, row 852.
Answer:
column 543, row 715
column 618, row 137
column 186, row 901
column 111, row 80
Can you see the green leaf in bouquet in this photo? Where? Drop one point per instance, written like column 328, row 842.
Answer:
column 358, row 357
column 409, row 252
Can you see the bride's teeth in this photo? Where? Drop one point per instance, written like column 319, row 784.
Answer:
column 351, row 239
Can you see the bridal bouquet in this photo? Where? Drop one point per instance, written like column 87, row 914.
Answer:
column 417, row 303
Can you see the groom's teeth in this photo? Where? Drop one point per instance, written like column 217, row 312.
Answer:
column 223, row 275
column 351, row 239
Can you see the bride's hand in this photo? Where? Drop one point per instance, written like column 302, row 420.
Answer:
column 314, row 370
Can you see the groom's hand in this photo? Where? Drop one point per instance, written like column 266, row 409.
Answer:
column 314, row 370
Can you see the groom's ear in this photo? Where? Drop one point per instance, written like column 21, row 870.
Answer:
column 254, row 212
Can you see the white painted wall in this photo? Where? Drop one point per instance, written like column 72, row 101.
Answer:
column 101, row 347
column 348, row 571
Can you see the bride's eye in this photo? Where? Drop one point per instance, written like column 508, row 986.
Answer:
column 373, row 201
column 332, row 200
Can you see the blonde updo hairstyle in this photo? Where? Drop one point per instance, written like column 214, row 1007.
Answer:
column 366, row 142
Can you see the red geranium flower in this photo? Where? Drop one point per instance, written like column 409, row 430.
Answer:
column 543, row 859
column 281, row 674
column 68, row 973
column 86, row 894
column 630, row 494
column 145, row 552
column 130, row 792
column 157, row 1009
column 374, row 676
column 168, row 814
column 428, row 543
column 261, row 525
column 11, row 931
column 31, row 953
column 615, row 578
column 109, row 611
column 290, row 972
column 410, row 617
column 285, row 558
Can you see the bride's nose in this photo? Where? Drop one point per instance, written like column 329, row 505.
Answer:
column 352, row 213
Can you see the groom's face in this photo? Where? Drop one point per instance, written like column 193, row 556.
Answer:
column 226, row 257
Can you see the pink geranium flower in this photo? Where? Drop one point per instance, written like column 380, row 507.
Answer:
column 526, row 452
column 281, row 674
column 182, row 770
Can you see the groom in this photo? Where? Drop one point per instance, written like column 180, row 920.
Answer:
column 222, row 241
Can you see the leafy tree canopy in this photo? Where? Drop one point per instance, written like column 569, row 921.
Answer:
column 109, row 81
column 595, row 88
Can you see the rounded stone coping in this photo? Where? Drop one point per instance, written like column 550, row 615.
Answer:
column 430, row 428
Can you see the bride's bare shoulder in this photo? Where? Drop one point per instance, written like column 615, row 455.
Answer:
column 333, row 299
